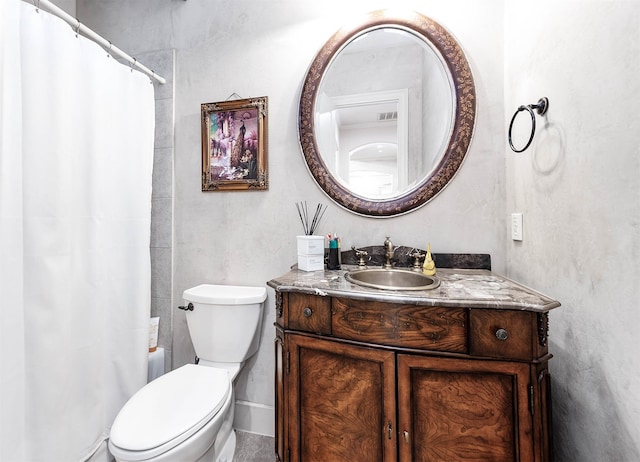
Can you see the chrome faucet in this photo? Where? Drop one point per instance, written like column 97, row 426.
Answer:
column 389, row 251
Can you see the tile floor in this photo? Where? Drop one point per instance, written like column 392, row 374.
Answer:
column 254, row 448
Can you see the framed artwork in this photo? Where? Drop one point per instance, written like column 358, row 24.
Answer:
column 234, row 145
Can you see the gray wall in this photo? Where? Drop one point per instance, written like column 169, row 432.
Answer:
column 577, row 186
column 163, row 63
column 579, row 190
column 68, row 6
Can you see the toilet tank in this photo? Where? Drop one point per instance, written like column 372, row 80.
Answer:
column 225, row 321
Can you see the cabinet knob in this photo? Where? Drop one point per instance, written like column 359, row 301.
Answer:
column 307, row 312
column 502, row 334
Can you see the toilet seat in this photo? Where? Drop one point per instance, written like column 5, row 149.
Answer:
column 169, row 410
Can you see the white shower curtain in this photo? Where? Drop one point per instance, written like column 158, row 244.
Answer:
column 76, row 140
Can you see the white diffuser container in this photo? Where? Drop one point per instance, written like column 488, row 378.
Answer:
column 310, row 245
column 310, row 253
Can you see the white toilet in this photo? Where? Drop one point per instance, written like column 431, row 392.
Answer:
column 186, row 415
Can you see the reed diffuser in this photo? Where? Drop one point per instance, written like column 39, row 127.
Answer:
column 303, row 211
column 310, row 247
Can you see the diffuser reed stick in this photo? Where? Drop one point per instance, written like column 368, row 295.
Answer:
column 303, row 213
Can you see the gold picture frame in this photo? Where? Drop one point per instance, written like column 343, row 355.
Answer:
column 234, row 145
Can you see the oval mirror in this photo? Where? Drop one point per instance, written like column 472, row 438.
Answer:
column 387, row 113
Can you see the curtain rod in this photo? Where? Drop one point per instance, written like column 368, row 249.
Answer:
column 79, row 27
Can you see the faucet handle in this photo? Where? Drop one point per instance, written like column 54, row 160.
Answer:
column 360, row 254
column 417, row 256
column 388, row 244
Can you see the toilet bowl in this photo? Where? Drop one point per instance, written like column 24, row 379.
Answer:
column 175, row 417
column 187, row 414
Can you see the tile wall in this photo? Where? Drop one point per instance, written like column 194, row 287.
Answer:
column 162, row 62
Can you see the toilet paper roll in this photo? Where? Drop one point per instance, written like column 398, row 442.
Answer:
column 156, row 364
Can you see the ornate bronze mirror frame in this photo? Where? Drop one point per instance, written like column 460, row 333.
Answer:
column 463, row 115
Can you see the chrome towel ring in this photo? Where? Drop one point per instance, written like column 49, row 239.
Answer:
column 541, row 108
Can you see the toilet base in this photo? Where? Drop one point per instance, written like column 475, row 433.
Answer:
column 225, row 444
column 224, row 447
column 227, row 451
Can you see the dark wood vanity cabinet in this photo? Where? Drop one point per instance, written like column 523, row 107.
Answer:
column 369, row 381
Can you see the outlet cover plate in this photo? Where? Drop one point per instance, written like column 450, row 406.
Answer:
column 516, row 226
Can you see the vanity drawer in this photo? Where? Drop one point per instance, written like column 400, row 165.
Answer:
column 309, row 313
column 519, row 335
column 394, row 324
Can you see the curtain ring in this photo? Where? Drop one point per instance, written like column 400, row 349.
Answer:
column 541, row 107
column 109, row 49
column 36, row 3
column 77, row 28
column 132, row 63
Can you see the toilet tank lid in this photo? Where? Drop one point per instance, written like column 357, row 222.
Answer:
column 225, row 295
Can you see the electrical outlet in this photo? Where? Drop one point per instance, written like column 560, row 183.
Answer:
column 516, row 226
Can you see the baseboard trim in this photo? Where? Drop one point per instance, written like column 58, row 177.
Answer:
column 254, row 418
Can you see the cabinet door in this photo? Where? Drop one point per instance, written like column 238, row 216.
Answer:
column 463, row 410
column 342, row 403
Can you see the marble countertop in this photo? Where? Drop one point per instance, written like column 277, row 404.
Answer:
column 473, row 288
